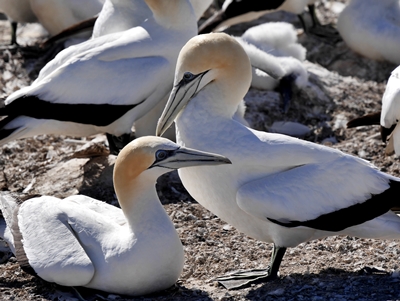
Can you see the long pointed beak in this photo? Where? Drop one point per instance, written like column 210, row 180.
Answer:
column 178, row 99
column 184, row 157
column 175, row 104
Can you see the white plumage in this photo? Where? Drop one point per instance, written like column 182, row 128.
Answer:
column 275, row 43
column 276, row 38
column 80, row 241
column 18, row 10
column 390, row 114
column 117, row 15
column 278, row 189
column 372, row 28
column 54, row 15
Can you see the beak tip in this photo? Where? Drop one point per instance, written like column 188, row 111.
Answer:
column 159, row 131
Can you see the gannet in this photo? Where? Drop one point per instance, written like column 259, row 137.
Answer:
column 80, row 241
column 275, row 43
column 17, row 11
column 278, row 189
column 54, row 15
column 119, row 15
column 103, row 85
column 388, row 117
column 372, row 28
column 239, row 11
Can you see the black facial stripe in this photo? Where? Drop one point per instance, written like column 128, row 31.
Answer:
column 169, row 154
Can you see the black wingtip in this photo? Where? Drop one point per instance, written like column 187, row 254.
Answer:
column 353, row 215
column 369, row 119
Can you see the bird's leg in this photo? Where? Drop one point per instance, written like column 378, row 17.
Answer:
column 117, row 143
column 327, row 33
column 14, row 26
column 243, row 279
column 285, row 88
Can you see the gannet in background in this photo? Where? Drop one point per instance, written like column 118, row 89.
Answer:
column 17, row 11
column 388, row 117
column 54, row 15
column 278, row 189
column 275, row 42
column 103, row 85
column 372, row 28
column 80, row 241
column 119, row 15
column 239, row 11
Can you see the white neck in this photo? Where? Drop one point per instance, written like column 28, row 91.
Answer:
column 140, row 204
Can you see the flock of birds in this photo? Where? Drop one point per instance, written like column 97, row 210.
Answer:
column 272, row 187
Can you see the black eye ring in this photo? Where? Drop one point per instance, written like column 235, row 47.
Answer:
column 161, row 154
column 188, row 76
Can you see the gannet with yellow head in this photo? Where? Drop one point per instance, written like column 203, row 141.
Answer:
column 278, row 189
column 80, row 241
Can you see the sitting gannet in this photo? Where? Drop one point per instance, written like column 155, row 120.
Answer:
column 278, row 189
column 389, row 116
column 372, row 28
column 103, row 85
column 80, row 241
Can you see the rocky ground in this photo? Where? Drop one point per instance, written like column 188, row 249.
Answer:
column 341, row 85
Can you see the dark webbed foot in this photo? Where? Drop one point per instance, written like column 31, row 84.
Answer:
column 244, row 279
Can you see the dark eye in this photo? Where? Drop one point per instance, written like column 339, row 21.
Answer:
column 188, row 76
column 161, row 155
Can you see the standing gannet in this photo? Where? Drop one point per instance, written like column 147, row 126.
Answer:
column 103, row 85
column 80, row 241
column 239, row 11
column 119, row 15
column 389, row 116
column 278, row 189
column 372, row 28
column 54, row 15
column 17, row 11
